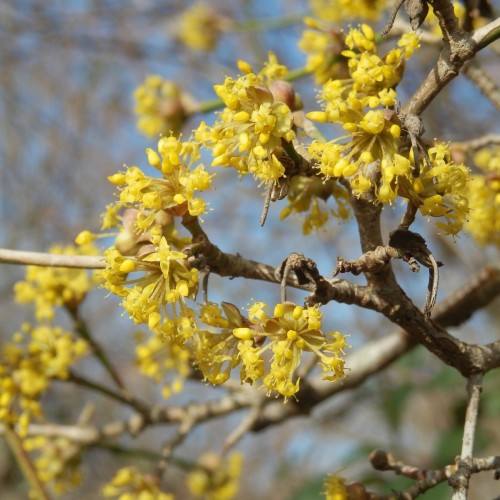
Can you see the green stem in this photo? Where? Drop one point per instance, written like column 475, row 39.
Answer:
column 291, row 152
column 296, row 74
column 216, row 104
column 25, row 464
column 489, row 39
column 209, row 106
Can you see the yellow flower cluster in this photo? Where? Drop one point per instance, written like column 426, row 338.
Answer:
column 249, row 133
column 28, row 364
column 242, row 342
column 340, row 10
column 174, row 192
column 372, row 77
column 439, row 190
column 200, row 27
column 215, row 479
column 323, row 45
column 335, row 488
column 130, row 484
column 164, row 361
column 163, row 280
column 159, row 106
column 308, row 194
column 370, row 158
column 57, row 461
column 483, row 193
column 50, row 287
column 372, row 135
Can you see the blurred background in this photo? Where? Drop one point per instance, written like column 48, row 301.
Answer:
column 67, row 121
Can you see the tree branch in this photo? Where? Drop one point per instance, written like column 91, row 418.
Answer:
column 460, row 480
column 461, row 47
column 51, row 260
column 483, row 82
column 375, row 356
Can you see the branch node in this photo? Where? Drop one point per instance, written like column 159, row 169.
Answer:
column 307, row 275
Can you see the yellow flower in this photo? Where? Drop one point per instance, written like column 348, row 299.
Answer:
column 165, row 279
column 323, row 46
column 164, row 361
column 216, row 353
column 28, row 364
column 250, row 130
column 174, row 192
column 483, row 193
column 440, row 190
column 51, row 287
column 57, row 461
column 215, row 479
column 291, row 331
column 160, row 106
column 335, row 488
column 287, row 334
column 200, row 26
column 129, row 483
column 340, row 10
column 307, row 195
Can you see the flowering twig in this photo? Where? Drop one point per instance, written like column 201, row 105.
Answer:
column 376, row 355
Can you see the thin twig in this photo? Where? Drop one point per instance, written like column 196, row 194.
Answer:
column 51, row 260
column 245, row 425
column 392, row 17
column 82, row 330
column 25, row 463
column 409, row 215
column 169, row 447
column 478, row 143
column 122, row 397
column 425, row 479
column 460, row 480
column 432, row 287
column 483, row 82
column 267, row 203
